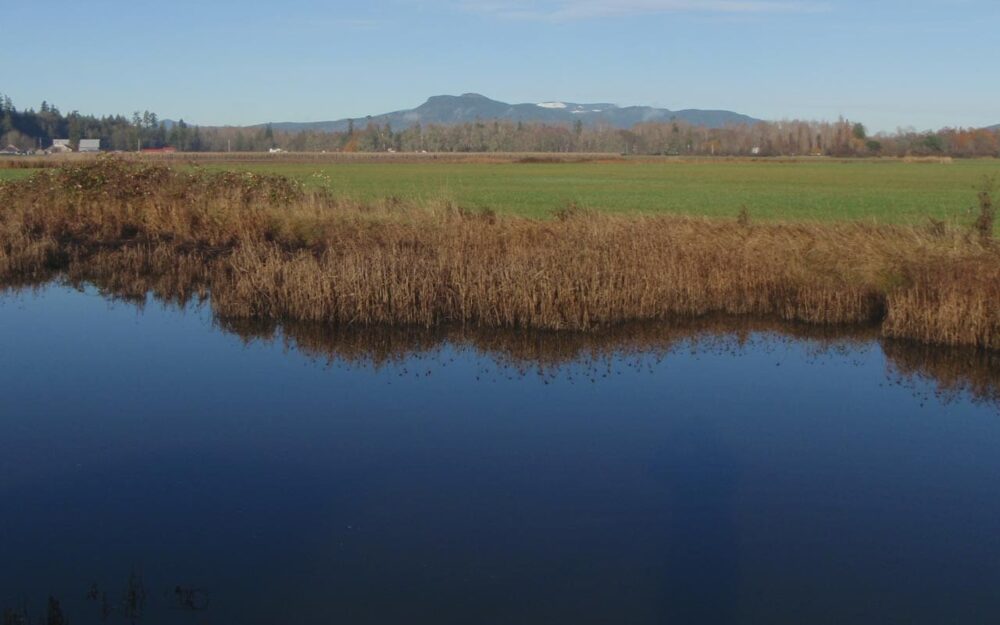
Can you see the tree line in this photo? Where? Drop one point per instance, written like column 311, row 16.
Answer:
column 30, row 129
column 785, row 138
column 36, row 130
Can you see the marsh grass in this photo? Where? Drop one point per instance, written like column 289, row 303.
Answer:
column 265, row 249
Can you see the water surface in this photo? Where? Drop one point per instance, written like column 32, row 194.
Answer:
column 159, row 466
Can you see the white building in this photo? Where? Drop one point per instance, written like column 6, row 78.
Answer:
column 90, row 145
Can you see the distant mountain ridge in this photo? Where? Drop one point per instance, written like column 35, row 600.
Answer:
column 471, row 107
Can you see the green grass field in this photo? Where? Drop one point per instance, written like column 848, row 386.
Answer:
column 887, row 191
column 890, row 191
column 14, row 174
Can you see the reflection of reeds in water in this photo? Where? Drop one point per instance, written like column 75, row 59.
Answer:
column 264, row 249
column 955, row 371
column 532, row 349
column 111, row 605
column 17, row 616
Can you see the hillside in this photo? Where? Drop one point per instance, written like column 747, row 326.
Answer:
column 470, row 107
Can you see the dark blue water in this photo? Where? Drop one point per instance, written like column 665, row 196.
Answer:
column 747, row 478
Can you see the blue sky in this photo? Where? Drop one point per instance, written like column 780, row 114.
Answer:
column 888, row 63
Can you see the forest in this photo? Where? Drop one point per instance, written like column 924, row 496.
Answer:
column 29, row 130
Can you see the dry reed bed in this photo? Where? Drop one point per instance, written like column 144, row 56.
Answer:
column 265, row 249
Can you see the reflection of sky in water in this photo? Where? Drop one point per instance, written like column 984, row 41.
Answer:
column 778, row 481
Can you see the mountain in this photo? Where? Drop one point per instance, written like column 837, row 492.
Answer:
column 997, row 127
column 471, row 107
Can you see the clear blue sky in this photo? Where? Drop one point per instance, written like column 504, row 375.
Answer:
column 888, row 63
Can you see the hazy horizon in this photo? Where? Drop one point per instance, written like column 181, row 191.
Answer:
column 917, row 64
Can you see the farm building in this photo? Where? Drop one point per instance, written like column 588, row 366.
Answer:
column 90, row 145
column 60, row 145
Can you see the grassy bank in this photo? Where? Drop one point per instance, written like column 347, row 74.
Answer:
column 265, row 248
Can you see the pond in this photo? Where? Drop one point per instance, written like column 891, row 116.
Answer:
column 158, row 465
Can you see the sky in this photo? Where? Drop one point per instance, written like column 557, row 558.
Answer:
column 890, row 64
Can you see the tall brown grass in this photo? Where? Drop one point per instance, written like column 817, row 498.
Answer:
column 265, row 249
